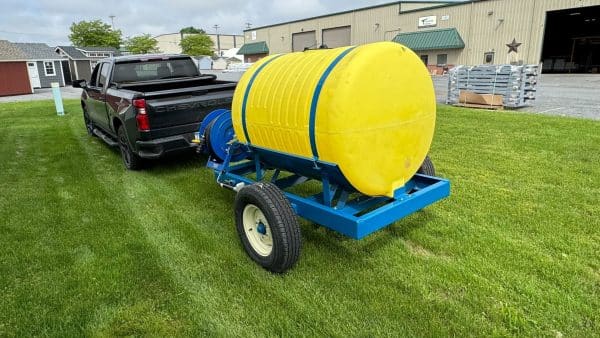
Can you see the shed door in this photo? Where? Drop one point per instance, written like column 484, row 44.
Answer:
column 304, row 40
column 337, row 37
column 34, row 76
column 14, row 79
column 66, row 72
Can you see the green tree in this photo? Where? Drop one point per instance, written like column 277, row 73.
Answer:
column 197, row 44
column 94, row 33
column 192, row 30
column 141, row 44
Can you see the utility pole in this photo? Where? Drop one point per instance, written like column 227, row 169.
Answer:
column 112, row 21
column 248, row 25
column 216, row 27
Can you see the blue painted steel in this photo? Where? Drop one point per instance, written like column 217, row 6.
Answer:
column 261, row 229
column 315, row 101
column 247, row 93
column 303, row 166
column 355, row 217
column 221, row 135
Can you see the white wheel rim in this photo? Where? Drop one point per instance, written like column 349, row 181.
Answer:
column 257, row 229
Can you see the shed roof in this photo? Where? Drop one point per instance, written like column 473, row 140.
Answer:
column 37, row 51
column 98, row 49
column 431, row 39
column 254, row 48
column 10, row 52
column 77, row 54
column 72, row 52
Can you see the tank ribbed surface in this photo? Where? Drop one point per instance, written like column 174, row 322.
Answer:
column 369, row 109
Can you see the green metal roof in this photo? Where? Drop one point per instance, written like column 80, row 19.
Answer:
column 431, row 39
column 254, row 48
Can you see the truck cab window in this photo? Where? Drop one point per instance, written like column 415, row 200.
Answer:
column 103, row 76
column 93, row 79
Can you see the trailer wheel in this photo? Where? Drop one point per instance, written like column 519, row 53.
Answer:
column 267, row 226
column 427, row 167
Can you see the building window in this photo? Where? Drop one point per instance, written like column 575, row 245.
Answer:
column 488, row 58
column 49, row 68
column 425, row 59
column 442, row 60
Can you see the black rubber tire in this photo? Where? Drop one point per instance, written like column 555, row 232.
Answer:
column 89, row 125
column 285, row 229
column 427, row 167
column 130, row 160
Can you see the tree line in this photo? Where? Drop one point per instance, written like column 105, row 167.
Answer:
column 96, row 33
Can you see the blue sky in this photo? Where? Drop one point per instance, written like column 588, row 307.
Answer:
column 49, row 20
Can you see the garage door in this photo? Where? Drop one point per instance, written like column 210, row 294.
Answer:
column 304, row 40
column 337, row 37
column 14, row 79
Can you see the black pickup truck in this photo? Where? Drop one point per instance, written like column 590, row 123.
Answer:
column 149, row 105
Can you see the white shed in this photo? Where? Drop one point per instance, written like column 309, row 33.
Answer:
column 220, row 63
column 204, row 62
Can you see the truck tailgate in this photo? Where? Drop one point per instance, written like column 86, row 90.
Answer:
column 183, row 110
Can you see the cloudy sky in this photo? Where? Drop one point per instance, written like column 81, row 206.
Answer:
column 49, row 20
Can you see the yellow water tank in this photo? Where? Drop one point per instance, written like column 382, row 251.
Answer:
column 370, row 110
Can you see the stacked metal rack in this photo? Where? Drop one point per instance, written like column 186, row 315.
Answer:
column 516, row 84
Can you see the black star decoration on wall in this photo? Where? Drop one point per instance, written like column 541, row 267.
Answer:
column 512, row 47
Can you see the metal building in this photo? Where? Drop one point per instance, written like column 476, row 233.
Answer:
column 169, row 43
column 564, row 35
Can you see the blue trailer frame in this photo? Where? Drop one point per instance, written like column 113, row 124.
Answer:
column 336, row 207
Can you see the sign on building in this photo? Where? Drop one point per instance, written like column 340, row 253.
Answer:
column 427, row 21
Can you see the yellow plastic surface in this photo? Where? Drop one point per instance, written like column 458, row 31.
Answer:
column 375, row 116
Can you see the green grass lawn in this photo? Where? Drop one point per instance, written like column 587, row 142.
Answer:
column 87, row 248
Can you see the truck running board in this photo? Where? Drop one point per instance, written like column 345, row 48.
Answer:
column 104, row 137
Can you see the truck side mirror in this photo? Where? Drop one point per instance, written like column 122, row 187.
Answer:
column 80, row 84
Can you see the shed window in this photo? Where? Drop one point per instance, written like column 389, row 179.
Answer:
column 425, row 59
column 488, row 58
column 442, row 60
column 49, row 68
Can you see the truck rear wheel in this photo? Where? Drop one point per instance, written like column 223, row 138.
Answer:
column 130, row 159
column 268, row 226
column 89, row 125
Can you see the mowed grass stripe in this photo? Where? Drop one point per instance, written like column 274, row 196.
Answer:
column 513, row 251
column 68, row 249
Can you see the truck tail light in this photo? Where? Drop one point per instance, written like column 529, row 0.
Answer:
column 143, row 122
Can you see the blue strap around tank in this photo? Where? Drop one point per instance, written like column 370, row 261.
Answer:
column 247, row 93
column 315, row 101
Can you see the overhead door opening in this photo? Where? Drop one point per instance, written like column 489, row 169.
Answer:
column 304, row 40
column 572, row 41
column 336, row 37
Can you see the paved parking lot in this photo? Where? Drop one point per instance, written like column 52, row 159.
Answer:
column 576, row 95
